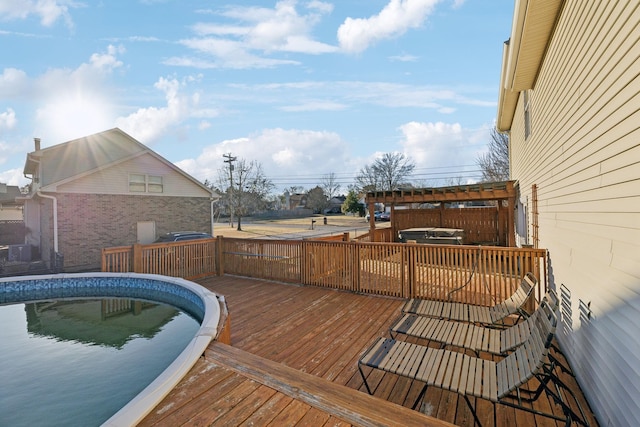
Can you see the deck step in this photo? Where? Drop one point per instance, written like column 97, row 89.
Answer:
column 345, row 403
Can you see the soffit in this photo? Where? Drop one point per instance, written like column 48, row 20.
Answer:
column 533, row 25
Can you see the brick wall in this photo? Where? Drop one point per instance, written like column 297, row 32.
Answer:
column 89, row 222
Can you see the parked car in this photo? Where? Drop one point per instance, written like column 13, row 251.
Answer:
column 384, row 216
column 178, row 236
column 376, row 216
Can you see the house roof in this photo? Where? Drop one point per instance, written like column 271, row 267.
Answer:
column 63, row 162
column 81, row 155
column 8, row 194
column 533, row 24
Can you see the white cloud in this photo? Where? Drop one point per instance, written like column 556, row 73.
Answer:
column 8, row 119
column 281, row 152
column 356, row 35
column 259, row 33
column 76, row 102
column 226, row 54
column 320, row 6
column 107, row 62
column 13, row 83
column 49, row 11
column 340, row 95
column 315, row 106
column 404, row 58
column 13, row 177
column 437, row 144
column 204, row 125
column 148, row 124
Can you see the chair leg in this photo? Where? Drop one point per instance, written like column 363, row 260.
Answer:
column 533, row 395
column 364, row 379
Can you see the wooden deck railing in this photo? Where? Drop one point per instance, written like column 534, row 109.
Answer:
column 480, row 274
column 189, row 259
column 380, row 235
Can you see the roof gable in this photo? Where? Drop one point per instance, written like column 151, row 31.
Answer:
column 79, row 156
column 63, row 163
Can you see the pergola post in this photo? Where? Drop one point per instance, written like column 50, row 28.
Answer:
column 511, row 226
column 372, row 221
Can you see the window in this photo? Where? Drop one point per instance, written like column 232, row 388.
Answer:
column 139, row 183
column 154, row 184
column 527, row 115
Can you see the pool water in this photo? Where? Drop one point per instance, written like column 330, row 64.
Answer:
column 77, row 362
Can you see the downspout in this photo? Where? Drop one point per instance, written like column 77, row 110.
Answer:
column 55, row 219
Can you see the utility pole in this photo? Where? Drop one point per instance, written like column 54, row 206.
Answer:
column 230, row 160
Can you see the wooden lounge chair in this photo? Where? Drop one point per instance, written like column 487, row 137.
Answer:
column 475, row 313
column 470, row 335
column 500, row 382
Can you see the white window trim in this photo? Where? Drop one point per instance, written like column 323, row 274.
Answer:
column 148, row 183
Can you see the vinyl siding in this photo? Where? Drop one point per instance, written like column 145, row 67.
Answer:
column 584, row 155
column 115, row 180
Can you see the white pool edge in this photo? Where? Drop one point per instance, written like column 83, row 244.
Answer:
column 141, row 405
column 145, row 401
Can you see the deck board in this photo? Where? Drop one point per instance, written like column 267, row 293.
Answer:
column 318, row 334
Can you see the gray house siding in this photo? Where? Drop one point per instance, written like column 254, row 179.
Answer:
column 583, row 154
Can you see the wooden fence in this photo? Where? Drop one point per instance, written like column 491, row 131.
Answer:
column 482, row 225
column 379, row 235
column 189, row 259
column 479, row 274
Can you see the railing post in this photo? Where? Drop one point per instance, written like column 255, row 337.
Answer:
column 356, row 266
column 305, row 264
column 409, row 254
column 137, row 258
column 103, row 263
column 219, row 258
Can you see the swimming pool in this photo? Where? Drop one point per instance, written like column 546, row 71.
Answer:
column 189, row 297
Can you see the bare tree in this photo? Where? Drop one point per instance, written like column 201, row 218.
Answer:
column 247, row 188
column 495, row 162
column 367, row 179
column 386, row 173
column 330, row 185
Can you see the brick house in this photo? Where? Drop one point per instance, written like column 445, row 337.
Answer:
column 106, row 190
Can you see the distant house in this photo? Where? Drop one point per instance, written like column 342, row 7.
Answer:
column 569, row 100
column 11, row 218
column 10, row 208
column 334, row 204
column 106, row 190
column 295, row 201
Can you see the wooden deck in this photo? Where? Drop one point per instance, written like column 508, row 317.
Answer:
column 293, row 361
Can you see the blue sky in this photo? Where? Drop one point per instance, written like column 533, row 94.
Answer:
column 306, row 87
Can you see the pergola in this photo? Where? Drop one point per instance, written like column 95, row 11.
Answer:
column 492, row 191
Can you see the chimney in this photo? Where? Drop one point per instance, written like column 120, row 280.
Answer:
column 37, row 143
